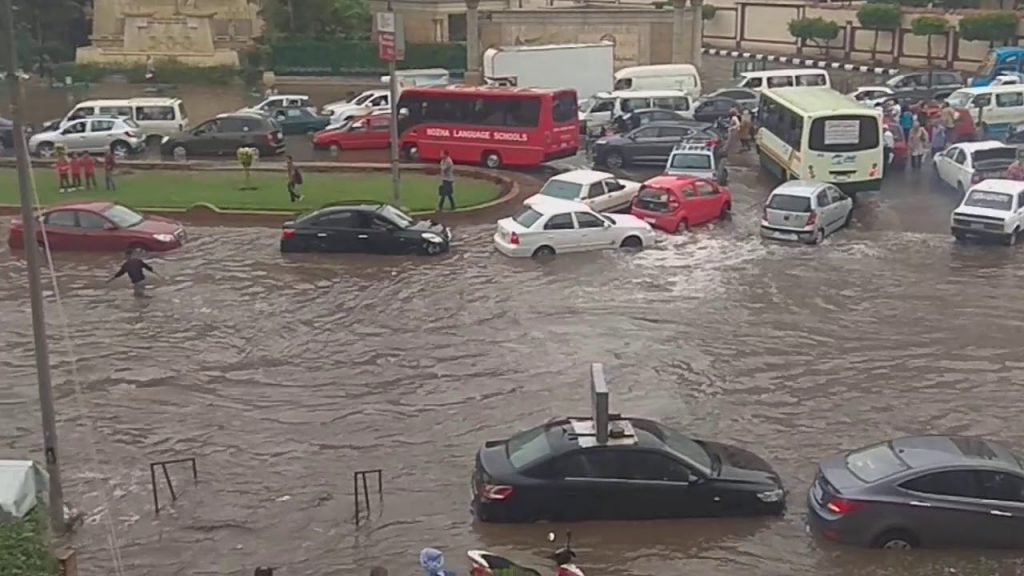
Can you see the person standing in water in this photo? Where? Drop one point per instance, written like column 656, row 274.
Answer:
column 134, row 267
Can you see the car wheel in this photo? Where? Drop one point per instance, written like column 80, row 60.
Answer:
column 411, row 153
column 819, row 236
column 1011, row 240
column 179, row 151
column 432, row 248
column 120, row 149
column 544, row 252
column 492, row 160
column 632, row 243
column 335, row 150
column 614, row 160
column 682, row 226
column 46, row 150
column 896, row 540
column 726, row 212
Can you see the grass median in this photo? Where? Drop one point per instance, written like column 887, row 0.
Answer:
column 227, row 190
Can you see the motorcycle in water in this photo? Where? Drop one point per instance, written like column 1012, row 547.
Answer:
column 486, row 564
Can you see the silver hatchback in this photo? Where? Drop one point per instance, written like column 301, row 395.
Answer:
column 922, row 491
column 806, row 211
column 94, row 135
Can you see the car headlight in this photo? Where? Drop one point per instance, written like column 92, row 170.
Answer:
column 165, row 139
column 772, row 495
column 431, row 237
column 164, row 237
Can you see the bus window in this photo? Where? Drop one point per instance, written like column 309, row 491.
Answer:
column 564, row 108
column 843, row 134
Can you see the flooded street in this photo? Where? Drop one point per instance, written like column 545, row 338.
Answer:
column 283, row 376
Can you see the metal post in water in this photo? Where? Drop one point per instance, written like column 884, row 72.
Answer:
column 393, row 89
column 34, row 282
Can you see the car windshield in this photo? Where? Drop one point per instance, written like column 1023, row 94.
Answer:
column 362, row 98
column 789, row 203
column 990, row 200
column 527, row 218
column 875, row 462
column 959, row 99
column 561, row 189
column 690, row 161
column 397, row 216
column 123, row 217
column 528, row 448
column 686, row 447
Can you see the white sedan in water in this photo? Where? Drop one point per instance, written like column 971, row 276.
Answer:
column 547, row 226
column 599, row 190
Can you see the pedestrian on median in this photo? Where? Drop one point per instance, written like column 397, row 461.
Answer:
column 109, row 164
column 294, row 179
column 89, row 169
column 64, row 174
column 446, row 190
column 918, row 144
column 76, row 172
column 134, row 267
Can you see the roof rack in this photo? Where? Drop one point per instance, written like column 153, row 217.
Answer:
column 694, row 144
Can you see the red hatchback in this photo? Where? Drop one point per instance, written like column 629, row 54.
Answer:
column 675, row 203
column 101, row 226
column 365, row 133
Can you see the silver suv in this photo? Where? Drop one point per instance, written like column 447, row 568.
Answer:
column 697, row 159
column 94, row 135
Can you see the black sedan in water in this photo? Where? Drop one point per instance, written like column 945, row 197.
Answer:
column 645, row 470
column 367, row 228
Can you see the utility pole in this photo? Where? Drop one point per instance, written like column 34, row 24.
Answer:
column 393, row 89
column 35, row 283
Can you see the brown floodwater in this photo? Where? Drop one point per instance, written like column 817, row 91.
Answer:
column 282, row 376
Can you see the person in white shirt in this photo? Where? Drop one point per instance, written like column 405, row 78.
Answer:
column 888, row 144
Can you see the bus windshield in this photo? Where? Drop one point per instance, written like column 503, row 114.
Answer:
column 844, row 133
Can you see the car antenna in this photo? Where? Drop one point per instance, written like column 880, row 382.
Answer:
column 599, row 402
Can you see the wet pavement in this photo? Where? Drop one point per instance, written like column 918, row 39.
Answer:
column 284, row 375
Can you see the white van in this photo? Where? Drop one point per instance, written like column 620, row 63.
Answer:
column 683, row 77
column 762, row 79
column 995, row 108
column 599, row 111
column 420, row 77
column 156, row 116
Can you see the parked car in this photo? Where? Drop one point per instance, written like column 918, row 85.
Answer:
column 806, row 211
column 697, row 159
column 993, row 208
column 300, row 121
column 648, row 144
column 367, row 228
column 745, row 98
column 600, row 190
column 964, row 165
column 548, row 226
column 282, row 101
column 646, row 470
column 100, row 226
column 637, row 118
column 92, row 135
column 677, row 203
column 872, row 95
column 369, row 133
column 923, row 491
column 225, row 134
column 935, row 85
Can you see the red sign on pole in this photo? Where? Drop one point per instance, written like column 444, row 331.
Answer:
column 386, row 46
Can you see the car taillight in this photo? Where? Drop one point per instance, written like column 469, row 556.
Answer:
column 287, row 233
column 513, row 239
column 270, row 138
column 495, row 492
column 811, row 218
column 843, row 506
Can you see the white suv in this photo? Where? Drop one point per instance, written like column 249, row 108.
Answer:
column 993, row 208
column 697, row 159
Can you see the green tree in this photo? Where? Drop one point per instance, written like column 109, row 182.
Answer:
column 318, row 18
column 878, row 17
column 53, row 27
column 817, row 31
column 929, row 26
column 990, row 27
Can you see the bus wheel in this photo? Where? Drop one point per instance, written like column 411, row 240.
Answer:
column 492, row 160
column 411, row 153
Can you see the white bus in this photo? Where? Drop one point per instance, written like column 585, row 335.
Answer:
column 816, row 133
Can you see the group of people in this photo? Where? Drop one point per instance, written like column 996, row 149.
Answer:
column 924, row 128
column 740, row 131
column 72, row 168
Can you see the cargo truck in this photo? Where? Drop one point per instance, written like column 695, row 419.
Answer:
column 586, row 68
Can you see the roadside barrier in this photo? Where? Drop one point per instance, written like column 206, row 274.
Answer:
column 167, row 477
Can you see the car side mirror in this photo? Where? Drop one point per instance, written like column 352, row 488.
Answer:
column 607, row 224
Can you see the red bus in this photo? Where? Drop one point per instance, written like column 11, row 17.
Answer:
column 488, row 125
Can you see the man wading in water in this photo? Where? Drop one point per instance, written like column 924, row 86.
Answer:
column 133, row 266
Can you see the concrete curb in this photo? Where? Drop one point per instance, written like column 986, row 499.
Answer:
column 809, row 62
column 206, row 214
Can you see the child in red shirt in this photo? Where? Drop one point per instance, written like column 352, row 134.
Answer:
column 63, row 170
column 89, row 167
column 76, row 172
